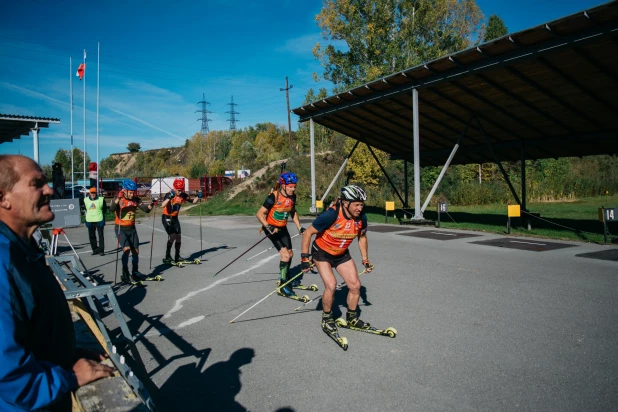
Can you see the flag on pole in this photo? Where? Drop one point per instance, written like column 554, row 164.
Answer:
column 81, row 70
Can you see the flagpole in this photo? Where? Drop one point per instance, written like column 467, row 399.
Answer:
column 84, row 154
column 98, row 80
column 71, row 109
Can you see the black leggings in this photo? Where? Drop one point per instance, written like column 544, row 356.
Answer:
column 281, row 239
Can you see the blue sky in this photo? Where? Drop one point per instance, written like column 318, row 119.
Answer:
column 159, row 57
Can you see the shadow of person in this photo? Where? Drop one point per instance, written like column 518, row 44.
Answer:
column 215, row 389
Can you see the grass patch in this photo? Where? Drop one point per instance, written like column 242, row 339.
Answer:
column 575, row 221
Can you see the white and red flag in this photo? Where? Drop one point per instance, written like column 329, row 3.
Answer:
column 81, row 70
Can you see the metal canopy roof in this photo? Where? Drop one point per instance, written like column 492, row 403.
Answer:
column 14, row 126
column 552, row 88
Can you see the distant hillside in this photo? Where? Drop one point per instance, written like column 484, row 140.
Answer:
column 128, row 163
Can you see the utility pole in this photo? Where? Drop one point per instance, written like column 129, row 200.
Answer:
column 287, row 97
column 233, row 114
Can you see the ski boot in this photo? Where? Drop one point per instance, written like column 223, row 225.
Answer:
column 330, row 328
column 126, row 277
column 169, row 261
column 353, row 322
column 287, row 292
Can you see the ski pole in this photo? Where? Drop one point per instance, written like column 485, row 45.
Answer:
column 239, row 256
column 154, row 208
column 201, row 243
column 264, row 298
column 339, row 286
column 264, row 251
column 117, row 249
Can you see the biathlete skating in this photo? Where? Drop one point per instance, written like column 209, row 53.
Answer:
column 124, row 207
column 335, row 229
column 273, row 215
column 171, row 207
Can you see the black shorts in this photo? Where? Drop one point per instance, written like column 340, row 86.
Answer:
column 320, row 255
column 128, row 238
column 281, row 239
column 171, row 224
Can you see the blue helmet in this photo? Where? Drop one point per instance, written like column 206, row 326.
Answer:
column 288, row 178
column 129, row 185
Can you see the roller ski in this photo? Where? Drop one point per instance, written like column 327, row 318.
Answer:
column 143, row 278
column 352, row 322
column 330, row 328
column 298, row 285
column 287, row 292
column 188, row 262
column 126, row 277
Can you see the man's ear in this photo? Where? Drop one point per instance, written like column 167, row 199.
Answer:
column 5, row 201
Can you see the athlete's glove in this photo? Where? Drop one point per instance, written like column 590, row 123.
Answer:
column 301, row 230
column 153, row 203
column 170, row 195
column 271, row 230
column 200, row 194
column 305, row 262
column 368, row 266
column 121, row 194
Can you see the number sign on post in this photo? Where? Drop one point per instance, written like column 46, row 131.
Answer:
column 607, row 214
column 442, row 208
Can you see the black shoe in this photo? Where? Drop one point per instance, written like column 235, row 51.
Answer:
column 94, row 252
column 286, row 291
column 102, row 252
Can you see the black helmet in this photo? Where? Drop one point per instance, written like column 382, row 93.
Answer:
column 353, row 194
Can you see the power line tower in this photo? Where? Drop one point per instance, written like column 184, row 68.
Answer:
column 233, row 114
column 205, row 113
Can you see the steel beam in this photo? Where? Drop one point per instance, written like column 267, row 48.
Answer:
column 506, row 177
column 312, row 146
column 385, row 174
column 418, row 214
column 345, row 162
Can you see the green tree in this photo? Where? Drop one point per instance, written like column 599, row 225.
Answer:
column 134, row 147
column 384, row 36
column 495, row 28
column 64, row 158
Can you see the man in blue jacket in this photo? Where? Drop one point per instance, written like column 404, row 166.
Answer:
column 38, row 361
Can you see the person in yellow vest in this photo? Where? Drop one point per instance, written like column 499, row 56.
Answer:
column 273, row 215
column 95, row 220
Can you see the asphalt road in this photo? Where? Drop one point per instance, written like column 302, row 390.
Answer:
column 480, row 327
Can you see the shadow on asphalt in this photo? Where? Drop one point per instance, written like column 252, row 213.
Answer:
column 188, row 388
column 214, row 389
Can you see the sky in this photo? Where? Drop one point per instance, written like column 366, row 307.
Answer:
column 158, row 58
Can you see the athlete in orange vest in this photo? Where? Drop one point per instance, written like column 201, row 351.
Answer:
column 171, row 208
column 273, row 215
column 335, row 230
column 125, row 206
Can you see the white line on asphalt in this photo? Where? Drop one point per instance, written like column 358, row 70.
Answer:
column 444, row 234
column 528, row 243
column 178, row 304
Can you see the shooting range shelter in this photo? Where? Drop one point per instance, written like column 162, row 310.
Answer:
column 546, row 92
column 14, row 127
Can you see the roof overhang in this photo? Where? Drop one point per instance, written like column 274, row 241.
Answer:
column 551, row 90
column 14, row 126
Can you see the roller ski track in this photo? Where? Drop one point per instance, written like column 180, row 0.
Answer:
column 313, row 288
column 390, row 332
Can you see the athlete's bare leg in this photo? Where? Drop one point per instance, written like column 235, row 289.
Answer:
column 349, row 274
column 330, row 283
